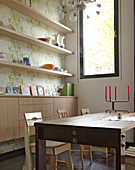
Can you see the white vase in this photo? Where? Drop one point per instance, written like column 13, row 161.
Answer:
column 56, row 41
column 2, row 56
column 61, row 39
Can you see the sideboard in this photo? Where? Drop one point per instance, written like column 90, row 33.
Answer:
column 12, row 109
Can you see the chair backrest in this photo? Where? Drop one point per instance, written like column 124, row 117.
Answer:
column 31, row 118
column 62, row 114
column 85, row 111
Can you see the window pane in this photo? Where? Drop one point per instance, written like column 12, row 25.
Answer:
column 98, row 38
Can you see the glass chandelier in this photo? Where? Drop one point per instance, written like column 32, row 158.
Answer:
column 71, row 8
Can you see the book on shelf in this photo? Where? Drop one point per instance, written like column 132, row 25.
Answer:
column 40, row 91
column 25, row 90
column 33, row 90
column 9, row 90
column 2, row 90
column 16, row 90
column 47, row 92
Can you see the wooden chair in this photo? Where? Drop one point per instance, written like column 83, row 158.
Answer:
column 103, row 150
column 83, row 148
column 130, row 158
column 53, row 148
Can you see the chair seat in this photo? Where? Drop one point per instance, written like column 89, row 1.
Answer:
column 98, row 149
column 130, row 158
column 53, row 147
column 130, row 152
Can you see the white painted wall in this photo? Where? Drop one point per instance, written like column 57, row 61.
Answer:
column 91, row 91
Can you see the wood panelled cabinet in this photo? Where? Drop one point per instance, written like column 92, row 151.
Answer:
column 9, row 124
column 12, row 111
column 59, row 103
column 27, row 105
column 72, row 106
column 69, row 104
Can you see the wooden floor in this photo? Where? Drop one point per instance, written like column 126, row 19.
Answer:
column 99, row 163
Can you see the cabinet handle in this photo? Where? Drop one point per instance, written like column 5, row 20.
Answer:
column 123, row 136
column 123, row 145
column 74, row 132
column 74, row 140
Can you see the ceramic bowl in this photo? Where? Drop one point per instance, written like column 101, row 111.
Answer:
column 1, row 23
column 56, row 69
column 44, row 39
column 11, row 27
column 2, row 55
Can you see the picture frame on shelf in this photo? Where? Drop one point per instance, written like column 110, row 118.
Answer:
column 2, row 90
column 47, row 92
column 33, row 91
column 54, row 92
column 40, row 91
column 9, row 90
column 16, row 90
column 25, row 90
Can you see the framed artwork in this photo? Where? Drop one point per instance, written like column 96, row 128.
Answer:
column 33, row 90
column 2, row 90
column 16, row 90
column 54, row 92
column 25, row 90
column 47, row 92
column 40, row 91
column 9, row 90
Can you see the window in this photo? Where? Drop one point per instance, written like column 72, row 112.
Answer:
column 99, row 54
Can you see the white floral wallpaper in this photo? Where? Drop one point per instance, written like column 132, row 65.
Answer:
column 17, row 50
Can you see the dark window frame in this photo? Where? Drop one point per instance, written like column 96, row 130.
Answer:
column 116, row 46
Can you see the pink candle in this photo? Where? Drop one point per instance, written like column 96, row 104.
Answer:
column 110, row 91
column 128, row 91
column 105, row 91
column 115, row 91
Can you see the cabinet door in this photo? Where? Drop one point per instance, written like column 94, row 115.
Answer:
column 9, row 125
column 43, row 105
column 72, row 106
column 59, row 103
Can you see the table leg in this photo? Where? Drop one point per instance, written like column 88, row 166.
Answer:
column 118, row 154
column 40, row 153
column 69, row 163
column 53, row 162
column 118, row 159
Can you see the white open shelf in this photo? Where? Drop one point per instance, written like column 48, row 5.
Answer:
column 30, row 12
column 33, row 41
column 33, row 69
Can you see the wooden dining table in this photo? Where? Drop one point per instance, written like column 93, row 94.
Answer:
column 98, row 129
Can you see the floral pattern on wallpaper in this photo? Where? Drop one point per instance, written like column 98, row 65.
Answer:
column 16, row 50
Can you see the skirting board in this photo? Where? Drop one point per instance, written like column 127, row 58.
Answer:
column 12, row 154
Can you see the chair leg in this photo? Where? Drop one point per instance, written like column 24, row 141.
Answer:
column 90, row 154
column 104, row 155
column 60, row 156
column 112, row 150
column 25, row 165
column 130, row 167
column 53, row 162
column 69, row 160
column 126, row 167
column 81, row 155
column 28, row 152
column 28, row 161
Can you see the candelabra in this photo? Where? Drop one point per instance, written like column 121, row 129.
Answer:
column 115, row 101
